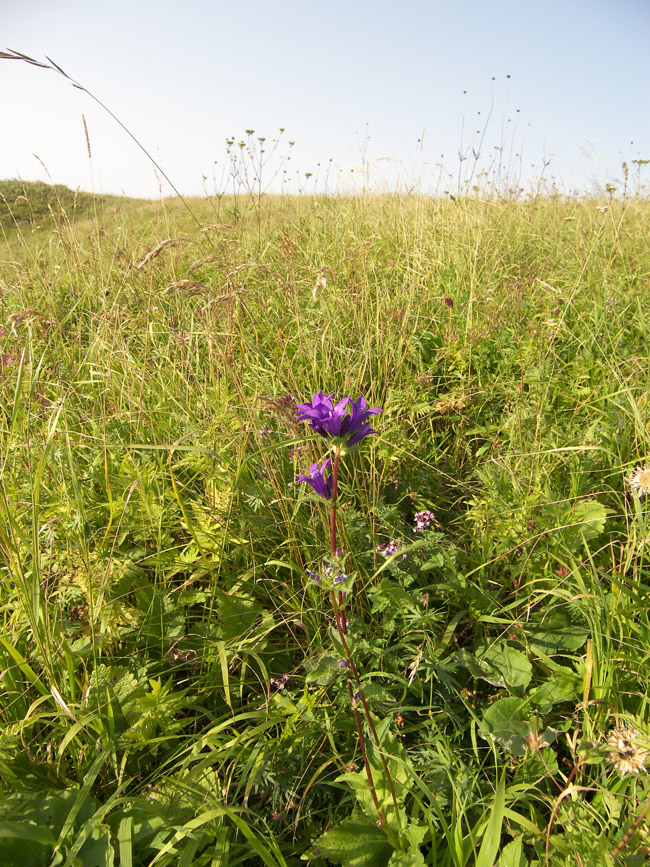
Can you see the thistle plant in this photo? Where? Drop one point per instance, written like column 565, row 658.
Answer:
column 344, row 426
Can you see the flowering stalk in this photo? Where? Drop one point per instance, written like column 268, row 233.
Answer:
column 335, row 491
column 351, row 667
column 345, row 425
column 341, row 623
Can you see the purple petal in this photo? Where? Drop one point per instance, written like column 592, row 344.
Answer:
column 364, row 431
column 346, row 421
column 317, row 480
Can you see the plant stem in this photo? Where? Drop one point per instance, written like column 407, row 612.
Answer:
column 339, row 617
column 341, row 625
column 362, row 744
column 335, row 491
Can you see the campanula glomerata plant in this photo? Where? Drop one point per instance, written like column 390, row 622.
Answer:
column 344, row 425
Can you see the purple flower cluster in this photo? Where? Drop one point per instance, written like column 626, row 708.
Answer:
column 423, row 520
column 315, row 577
column 346, row 422
column 331, row 575
column 387, row 549
column 279, row 684
column 316, row 478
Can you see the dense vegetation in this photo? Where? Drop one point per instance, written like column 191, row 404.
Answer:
column 172, row 687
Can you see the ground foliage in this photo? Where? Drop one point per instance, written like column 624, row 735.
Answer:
column 172, row 692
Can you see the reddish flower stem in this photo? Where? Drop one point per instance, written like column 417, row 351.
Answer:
column 339, row 618
column 335, row 491
column 362, row 744
column 351, row 669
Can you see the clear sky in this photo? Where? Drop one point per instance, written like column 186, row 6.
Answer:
column 389, row 85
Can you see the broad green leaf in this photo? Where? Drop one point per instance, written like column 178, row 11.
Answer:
column 27, row 831
column 585, row 520
column 238, row 614
column 354, row 843
column 500, row 665
column 512, row 854
column 412, row 858
column 98, row 850
column 514, row 666
column 324, row 670
column 555, row 633
column 563, row 685
column 505, row 722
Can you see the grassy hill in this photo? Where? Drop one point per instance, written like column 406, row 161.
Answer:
column 34, row 203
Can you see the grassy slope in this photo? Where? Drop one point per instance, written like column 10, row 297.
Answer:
column 154, row 546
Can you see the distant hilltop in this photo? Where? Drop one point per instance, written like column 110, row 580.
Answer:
column 34, row 202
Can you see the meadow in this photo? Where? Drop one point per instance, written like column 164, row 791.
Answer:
column 176, row 689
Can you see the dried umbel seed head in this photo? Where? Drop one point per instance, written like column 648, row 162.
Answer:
column 639, row 481
column 625, row 753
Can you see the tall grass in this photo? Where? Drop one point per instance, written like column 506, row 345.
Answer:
column 154, row 545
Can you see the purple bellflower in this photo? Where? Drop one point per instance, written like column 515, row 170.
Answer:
column 346, row 422
column 316, row 478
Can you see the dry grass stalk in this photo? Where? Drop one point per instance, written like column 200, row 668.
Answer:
column 226, row 296
column 209, row 260
column 16, row 319
column 192, row 287
column 168, row 242
column 246, row 265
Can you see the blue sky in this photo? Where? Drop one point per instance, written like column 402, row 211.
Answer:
column 389, row 86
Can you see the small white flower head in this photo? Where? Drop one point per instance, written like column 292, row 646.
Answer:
column 624, row 751
column 639, row 481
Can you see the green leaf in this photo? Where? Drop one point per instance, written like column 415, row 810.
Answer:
column 436, row 562
column 415, row 834
column 505, row 722
column 555, row 634
column 27, row 831
column 354, row 843
column 412, row 858
column 585, row 520
column 410, row 855
column 514, row 666
column 512, row 854
column 238, row 614
column 323, row 670
column 98, row 850
column 563, row 685
column 492, row 838
column 390, row 596
column 500, row 665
